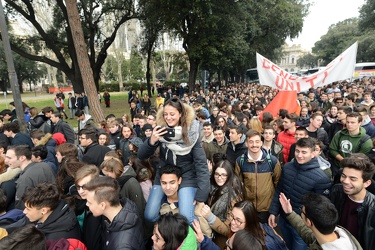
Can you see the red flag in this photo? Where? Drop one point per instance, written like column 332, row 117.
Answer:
column 283, row 100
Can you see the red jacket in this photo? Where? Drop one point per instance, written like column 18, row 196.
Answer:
column 286, row 138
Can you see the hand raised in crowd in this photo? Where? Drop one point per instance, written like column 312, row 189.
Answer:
column 157, row 133
column 285, row 203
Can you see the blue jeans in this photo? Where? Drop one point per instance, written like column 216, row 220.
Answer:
column 186, row 197
column 290, row 235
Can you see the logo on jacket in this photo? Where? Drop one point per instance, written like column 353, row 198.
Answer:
column 346, row 146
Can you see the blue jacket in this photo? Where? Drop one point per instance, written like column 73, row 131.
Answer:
column 298, row 179
column 208, row 244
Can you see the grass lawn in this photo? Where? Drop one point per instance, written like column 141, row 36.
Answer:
column 119, row 103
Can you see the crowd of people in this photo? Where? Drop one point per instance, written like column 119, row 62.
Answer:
column 207, row 169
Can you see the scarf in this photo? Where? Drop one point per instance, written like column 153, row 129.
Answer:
column 220, row 205
column 177, row 145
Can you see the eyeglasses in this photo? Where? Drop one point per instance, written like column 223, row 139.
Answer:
column 237, row 221
column 228, row 247
column 223, row 176
column 83, row 187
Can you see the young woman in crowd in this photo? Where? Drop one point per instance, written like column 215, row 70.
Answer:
column 372, row 114
column 172, row 232
column 145, row 175
column 256, row 124
column 104, row 140
column 222, row 122
column 183, row 150
column 127, row 133
column 226, row 190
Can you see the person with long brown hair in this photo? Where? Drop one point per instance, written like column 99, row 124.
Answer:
column 177, row 137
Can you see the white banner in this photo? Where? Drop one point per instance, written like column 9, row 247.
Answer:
column 341, row 68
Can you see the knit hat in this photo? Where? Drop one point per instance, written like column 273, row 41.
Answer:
column 59, row 138
column 147, row 126
column 136, row 141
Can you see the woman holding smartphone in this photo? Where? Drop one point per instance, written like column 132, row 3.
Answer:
column 183, row 150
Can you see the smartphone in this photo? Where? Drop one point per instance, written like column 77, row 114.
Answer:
column 170, row 132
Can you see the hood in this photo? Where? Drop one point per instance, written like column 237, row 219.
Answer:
column 367, row 104
column 62, row 219
column 342, row 242
column 226, row 141
column 362, row 132
column 9, row 174
column 190, row 116
column 45, row 140
column 323, row 163
column 366, row 121
column 127, row 217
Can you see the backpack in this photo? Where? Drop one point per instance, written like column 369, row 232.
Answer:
column 268, row 158
column 273, row 240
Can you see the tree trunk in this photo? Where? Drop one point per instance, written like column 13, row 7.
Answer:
column 119, row 72
column 83, row 60
column 192, row 74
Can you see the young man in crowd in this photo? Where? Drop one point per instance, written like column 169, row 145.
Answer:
column 298, row 177
column 317, row 223
column 356, row 205
column 286, row 137
column 259, row 172
column 12, row 131
column 124, row 226
column 49, row 213
column 236, row 147
column 218, row 145
column 64, row 128
column 94, row 153
column 352, row 139
column 271, row 146
column 208, row 135
column 32, row 173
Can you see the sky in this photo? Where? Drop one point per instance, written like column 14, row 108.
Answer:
column 324, row 13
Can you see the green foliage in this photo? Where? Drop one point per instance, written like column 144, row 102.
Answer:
column 308, row 61
column 343, row 34
column 367, row 16
column 338, row 38
column 112, row 87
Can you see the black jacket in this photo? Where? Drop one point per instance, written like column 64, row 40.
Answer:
column 61, row 223
column 125, row 231
column 94, row 154
column 366, row 215
column 22, row 139
column 298, row 179
column 65, row 129
column 235, row 151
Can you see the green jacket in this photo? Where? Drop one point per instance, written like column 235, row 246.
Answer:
column 308, row 236
column 345, row 145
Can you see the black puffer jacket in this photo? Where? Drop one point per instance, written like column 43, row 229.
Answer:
column 297, row 180
column 366, row 215
column 61, row 223
column 125, row 231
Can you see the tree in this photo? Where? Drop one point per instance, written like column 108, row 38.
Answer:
column 83, row 59
column 367, row 16
column 223, row 36
column 340, row 36
column 307, row 61
column 57, row 38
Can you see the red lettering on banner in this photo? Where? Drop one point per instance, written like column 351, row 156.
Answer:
column 275, row 69
column 279, row 80
column 284, row 84
column 266, row 63
column 311, row 81
column 325, row 76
